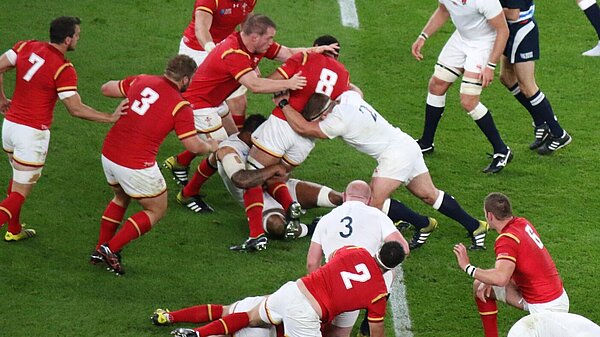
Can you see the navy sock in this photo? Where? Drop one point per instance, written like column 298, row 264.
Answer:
column 516, row 91
column 432, row 118
column 488, row 127
column 400, row 212
column 452, row 209
column 593, row 14
column 542, row 106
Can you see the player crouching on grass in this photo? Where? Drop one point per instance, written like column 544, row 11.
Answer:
column 130, row 148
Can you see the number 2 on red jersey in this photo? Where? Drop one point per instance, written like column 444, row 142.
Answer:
column 362, row 275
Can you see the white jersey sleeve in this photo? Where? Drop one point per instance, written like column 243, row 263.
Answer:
column 387, row 226
column 333, row 125
column 489, row 8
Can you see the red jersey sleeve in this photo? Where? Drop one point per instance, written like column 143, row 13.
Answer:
column 507, row 247
column 273, row 51
column 291, row 65
column 377, row 309
column 208, row 6
column 184, row 120
column 66, row 78
column 125, row 84
column 237, row 62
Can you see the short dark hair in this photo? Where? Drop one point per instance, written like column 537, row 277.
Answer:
column 180, row 66
column 257, row 23
column 252, row 122
column 316, row 105
column 63, row 27
column 326, row 40
column 391, row 254
column 499, row 205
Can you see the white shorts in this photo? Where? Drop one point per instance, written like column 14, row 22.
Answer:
column 28, row 146
column 246, row 305
column 561, row 304
column 277, row 138
column 346, row 319
column 199, row 56
column 402, row 165
column 140, row 183
column 209, row 122
column 290, row 306
column 458, row 54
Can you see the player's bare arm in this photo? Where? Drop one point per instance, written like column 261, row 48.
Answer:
column 314, row 257
column 377, row 329
column 499, row 24
column 5, row 65
column 512, row 13
column 498, row 276
column 197, row 145
column 251, row 178
column 111, row 89
column 78, row 109
column 436, row 21
column 202, row 27
column 353, row 87
column 260, row 85
column 286, row 52
column 298, row 123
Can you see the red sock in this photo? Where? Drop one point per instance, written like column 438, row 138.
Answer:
column 134, row 227
column 197, row 314
column 185, row 158
column 239, row 120
column 204, row 171
column 253, row 201
column 111, row 219
column 280, row 192
column 9, row 187
column 488, row 312
column 10, row 207
column 227, row 325
column 14, row 223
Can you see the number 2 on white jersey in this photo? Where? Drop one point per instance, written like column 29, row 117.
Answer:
column 327, row 81
column 149, row 97
column 534, row 236
column 36, row 63
column 362, row 275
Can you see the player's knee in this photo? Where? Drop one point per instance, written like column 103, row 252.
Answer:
column 528, row 89
column 443, row 77
column 469, row 102
column 28, row 177
column 274, row 224
column 507, row 80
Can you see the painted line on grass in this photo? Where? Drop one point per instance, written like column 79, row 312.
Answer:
column 400, row 313
column 348, row 13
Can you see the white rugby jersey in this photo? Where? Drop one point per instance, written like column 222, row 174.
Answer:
column 361, row 126
column 353, row 223
column 554, row 324
column 470, row 18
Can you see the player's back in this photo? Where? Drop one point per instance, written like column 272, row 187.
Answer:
column 351, row 280
column 324, row 74
column 535, row 273
column 361, row 126
column 353, row 223
column 154, row 102
column 42, row 73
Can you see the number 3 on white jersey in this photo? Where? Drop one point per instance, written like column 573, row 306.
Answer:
column 327, row 81
column 149, row 97
column 362, row 275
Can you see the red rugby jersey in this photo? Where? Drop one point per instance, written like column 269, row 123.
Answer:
column 42, row 73
column 323, row 74
column 227, row 14
column 155, row 108
column 351, row 280
column 217, row 77
column 535, row 273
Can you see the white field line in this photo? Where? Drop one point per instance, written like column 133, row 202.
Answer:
column 400, row 313
column 348, row 13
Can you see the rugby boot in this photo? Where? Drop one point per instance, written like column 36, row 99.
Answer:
column 478, row 236
column 25, row 233
column 421, row 235
column 179, row 172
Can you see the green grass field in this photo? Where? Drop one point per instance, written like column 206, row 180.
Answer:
column 50, row 289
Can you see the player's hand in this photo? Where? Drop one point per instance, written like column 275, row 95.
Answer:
column 486, row 76
column 461, row 255
column 279, row 174
column 297, row 81
column 483, row 292
column 120, row 110
column 214, row 145
column 279, row 96
column 332, row 48
column 4, row 105
column 416, row 49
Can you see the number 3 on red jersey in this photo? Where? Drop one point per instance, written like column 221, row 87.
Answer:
column 149, row 97
column 362, row 275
